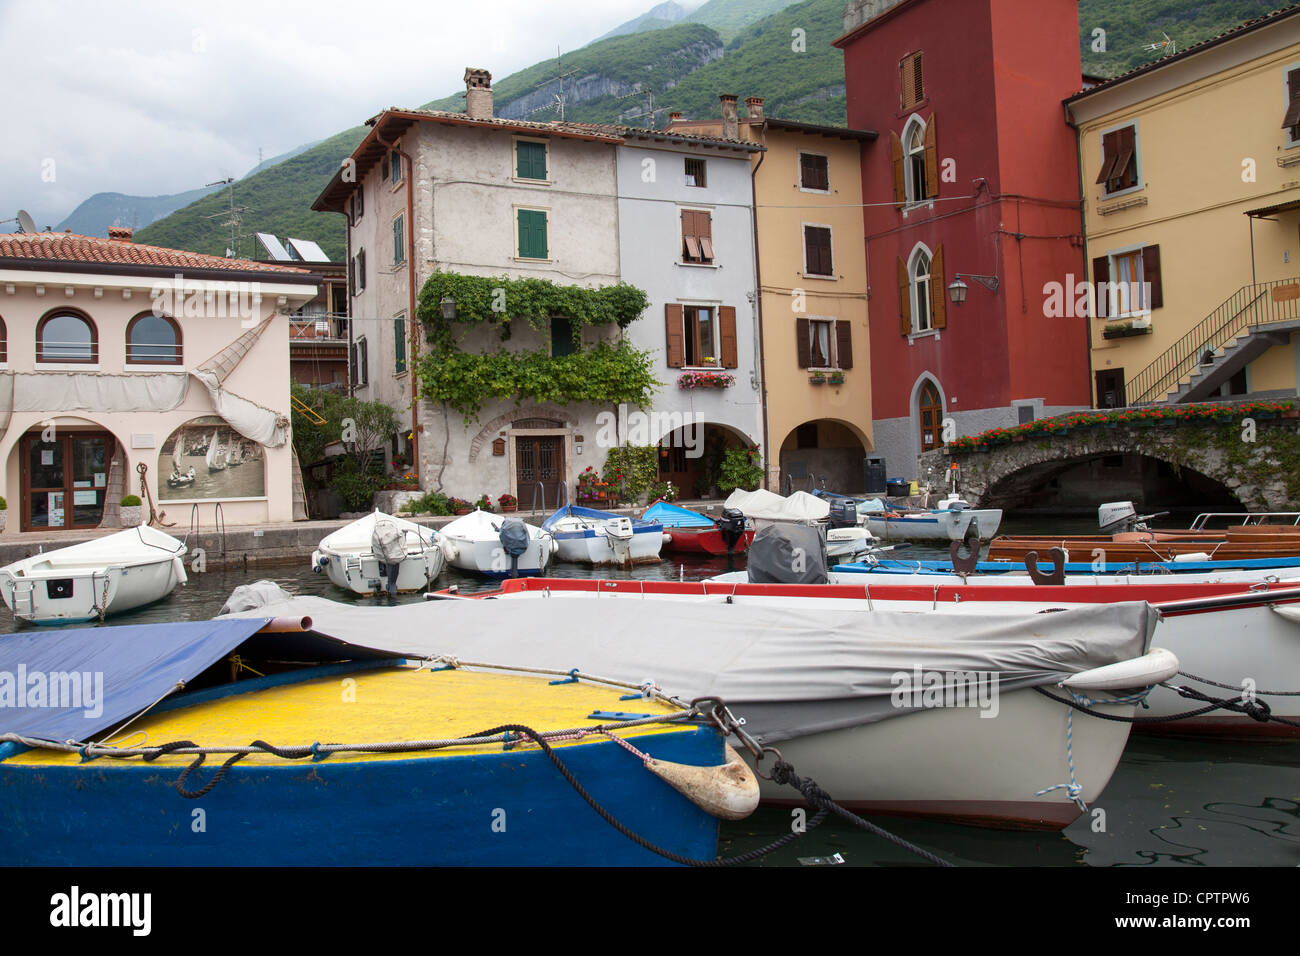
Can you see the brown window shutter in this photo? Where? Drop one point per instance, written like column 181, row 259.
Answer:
column 802, row 343
column 1125, row 164
column 918, row 81
column 1109, row 153
column 896, row 157
column 844, row 343
column 730, row 354
column 1151, row 274
column 938, row 292
column 1292, row 117
column 907, row 78
column 1100, row 278
column 904, row 298
column 676, row 345
column 931, row 160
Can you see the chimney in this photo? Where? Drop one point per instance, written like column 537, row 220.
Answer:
column 119, row 234
column 754, row 107
column 674, row 117
column 478, row 94
column 730, row 121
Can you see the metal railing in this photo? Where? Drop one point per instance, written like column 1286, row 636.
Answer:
column 1245, row 517
column 1251, row 305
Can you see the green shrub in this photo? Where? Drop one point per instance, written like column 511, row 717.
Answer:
column 355, row 488
column 741, row 468
column 431, row 503
column 4, row 506
column 131, row 501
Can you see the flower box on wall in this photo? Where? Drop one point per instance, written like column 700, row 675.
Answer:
column 836, row 378
column 706, row 380
column 817, row 378
column 1122, row 330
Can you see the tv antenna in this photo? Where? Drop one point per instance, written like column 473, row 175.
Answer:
column 232, row 215
column 650, row 112
column 558, row 98
column 1168, row 46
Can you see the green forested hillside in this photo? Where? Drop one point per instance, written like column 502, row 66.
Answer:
column 679, row 62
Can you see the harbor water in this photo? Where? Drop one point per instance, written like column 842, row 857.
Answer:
column 1171, row 802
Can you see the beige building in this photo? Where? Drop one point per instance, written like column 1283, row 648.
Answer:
column 1191, row 180
column 813, row 286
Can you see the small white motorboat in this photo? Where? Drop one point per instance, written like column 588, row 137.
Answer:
column 345, row 556
column 845, row 541
column 496, row 545
column 953, row 520
column 88, row 581
column 588, row 536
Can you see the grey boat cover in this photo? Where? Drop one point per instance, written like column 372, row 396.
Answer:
column 789, row 671
column 787, row 554
column 388, row 543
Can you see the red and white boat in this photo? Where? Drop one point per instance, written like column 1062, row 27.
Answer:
column 689, row 532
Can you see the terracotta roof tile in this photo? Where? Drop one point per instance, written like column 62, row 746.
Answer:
column 70, row 247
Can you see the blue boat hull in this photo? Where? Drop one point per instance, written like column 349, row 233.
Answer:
column 510, row 808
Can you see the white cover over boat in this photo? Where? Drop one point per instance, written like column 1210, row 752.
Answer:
column 765, row 507
column 473, row 543
column 822, row 684
column 347, row 559
column 108, row 575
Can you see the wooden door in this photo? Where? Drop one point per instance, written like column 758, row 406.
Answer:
column 65, row 481
column 539, row 458
column 931, row 418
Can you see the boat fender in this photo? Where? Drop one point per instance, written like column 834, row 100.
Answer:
column 179, row 567
column 729, row 791
column 668, row 539
column 1153, row 667
column 1054, row 576
column 968, row 564
column 1193, row 556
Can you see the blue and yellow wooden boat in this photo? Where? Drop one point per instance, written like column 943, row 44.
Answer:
column 386, row 798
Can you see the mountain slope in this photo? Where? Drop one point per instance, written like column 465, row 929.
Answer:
column 656, row 18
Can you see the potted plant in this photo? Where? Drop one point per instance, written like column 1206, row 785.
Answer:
column 836, row 378
column 508, row 503
column 4, row 514
column 131, row 511
column 484, row 503
column 459, row 506
column 817, row 378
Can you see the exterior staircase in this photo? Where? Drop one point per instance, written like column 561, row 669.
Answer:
column 1250, row 322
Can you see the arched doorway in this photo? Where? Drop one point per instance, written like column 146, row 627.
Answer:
column 930, row 409
column 823, row 453
column 691, row 456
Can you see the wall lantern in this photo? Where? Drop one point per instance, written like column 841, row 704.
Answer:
column 448, row 308
column 957, row 288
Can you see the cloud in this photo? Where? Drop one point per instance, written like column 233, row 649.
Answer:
column 148, row 97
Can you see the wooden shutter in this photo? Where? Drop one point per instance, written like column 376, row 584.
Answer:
column 896, row 157
column 817, row 250
column 532, row 234
column 906, row 82
column 361, row 270
column 1109, row 153
column 931, row 161
column 730, row 353
column 1151, row 274
column 399, row 242
column 352, row 275
column 531, row 160
column 802, row 343
column 352, row 360
column 1292, row 117
column 938, row 292
column 676, row 345
column 844, row 343
column 690, row 241
column 918, row 81
column 1126, row 143
column 399, row 344
column 704, row 231
column 1101, row 279
column 904, row 298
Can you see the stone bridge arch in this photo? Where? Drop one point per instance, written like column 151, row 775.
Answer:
column 1262, row 475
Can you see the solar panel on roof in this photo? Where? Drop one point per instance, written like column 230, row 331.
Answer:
column 307, row 250
column 273, row 247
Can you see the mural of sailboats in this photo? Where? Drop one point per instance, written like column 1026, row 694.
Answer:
column 215, row 458
column 177, row 479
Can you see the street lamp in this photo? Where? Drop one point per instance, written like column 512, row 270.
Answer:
column 448, row 308
column 957, row 289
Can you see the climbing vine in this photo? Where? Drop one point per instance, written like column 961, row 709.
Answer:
column 633, row 468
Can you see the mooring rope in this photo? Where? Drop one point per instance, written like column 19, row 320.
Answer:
column 1255, row 709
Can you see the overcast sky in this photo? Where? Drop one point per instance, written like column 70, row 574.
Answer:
column 148, row 97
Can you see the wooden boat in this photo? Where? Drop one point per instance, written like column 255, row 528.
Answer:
column 477, row 542
column 587, row 536
column 953, row 520
column 814, row 681
column 87, row 581
column 346, row 558
column 384, row 796
column 689, row 532
column 1153, row 546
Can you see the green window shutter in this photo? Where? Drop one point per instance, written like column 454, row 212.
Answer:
column 532, row 234
column 399, row 241
column 399, row 343
column 561, row 337
column 531, row 160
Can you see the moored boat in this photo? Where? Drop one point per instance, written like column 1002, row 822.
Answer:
column 494, row 545
column 109, row 575
column 588, row 536
column 347, row 559
column 405, row 743
column 689, row 532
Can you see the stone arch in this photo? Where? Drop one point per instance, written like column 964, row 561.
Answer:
column 488, row 431
column 839, row 466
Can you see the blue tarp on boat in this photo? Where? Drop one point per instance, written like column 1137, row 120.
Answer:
column 70, row 684
column 671, row 516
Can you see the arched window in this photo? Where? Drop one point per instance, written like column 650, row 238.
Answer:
column 67, row 336
column 153, row 340
column 914, row 159
column 931, row 414
column 922, row 312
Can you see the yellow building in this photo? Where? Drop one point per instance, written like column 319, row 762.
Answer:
column 1190, row 169
column 813, row 287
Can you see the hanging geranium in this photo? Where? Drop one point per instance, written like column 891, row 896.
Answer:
column 706, row 380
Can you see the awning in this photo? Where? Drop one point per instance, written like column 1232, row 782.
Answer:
column 1288, row 206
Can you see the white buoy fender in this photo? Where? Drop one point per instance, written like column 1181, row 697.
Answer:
column 1151, row 668
column 729, row 792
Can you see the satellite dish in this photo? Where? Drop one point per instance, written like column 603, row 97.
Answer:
column 25, row 222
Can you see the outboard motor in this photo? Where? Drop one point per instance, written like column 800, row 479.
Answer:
column 732, row 527
column 788, row 554
column 844, row 513
column 1117, row 516
column 514, row 541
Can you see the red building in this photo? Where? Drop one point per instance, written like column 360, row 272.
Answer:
column 974, row 177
